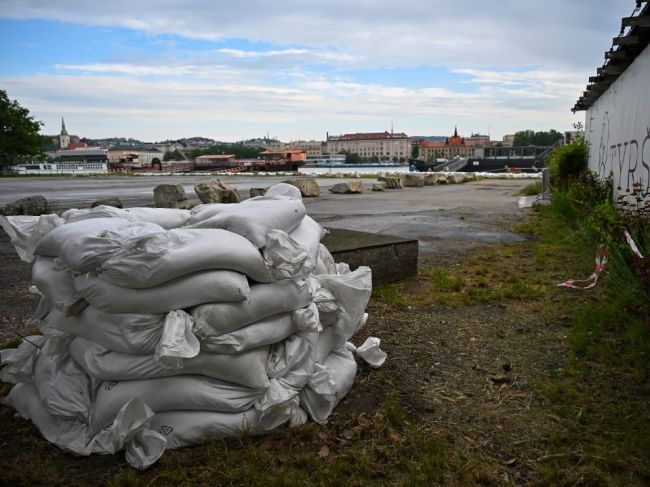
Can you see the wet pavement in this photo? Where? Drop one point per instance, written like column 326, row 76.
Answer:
column 446, row 219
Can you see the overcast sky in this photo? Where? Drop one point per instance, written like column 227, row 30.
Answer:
column 157, row 69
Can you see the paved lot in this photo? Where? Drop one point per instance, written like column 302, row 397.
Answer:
column 447, row 219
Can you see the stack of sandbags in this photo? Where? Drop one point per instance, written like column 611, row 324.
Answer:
column 165, row 328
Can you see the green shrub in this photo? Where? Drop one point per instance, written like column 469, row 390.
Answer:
column 567, row 162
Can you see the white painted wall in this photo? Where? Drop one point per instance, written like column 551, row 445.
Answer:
column 617, row 129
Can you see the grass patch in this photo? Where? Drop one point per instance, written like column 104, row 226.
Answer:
column 532, row 189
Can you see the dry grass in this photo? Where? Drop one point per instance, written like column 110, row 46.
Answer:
column 485, row 384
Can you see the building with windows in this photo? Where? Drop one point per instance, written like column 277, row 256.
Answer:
column 380, row 145
column 313, row 148
column 454, row 146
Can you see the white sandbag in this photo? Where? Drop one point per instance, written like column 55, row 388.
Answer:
column 352, row 292
column 52, row 243
column 167, row 218
column 309, row 234
column 205, row 211
column 100, row 211
column 86, row 253
column 183, row 292
column 25, row 232
column 187, row 428
column 333, row 337
column 324, row 261
column 57, row 285
column 329, row 384
column 247, row 368
column 255, row 217
column 328, row 341
column 286, row 258
column 283, row 190
column 183, row 392
column 265, row 332
column 370, row 352
column 18, row 363
column 265, row 300
column 131, row 333
column 177, row 341
column 128, row 431
column 291, row 361
column 62, row 385
column 153, row 259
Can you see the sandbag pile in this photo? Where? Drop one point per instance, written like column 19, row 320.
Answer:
column 163, row 328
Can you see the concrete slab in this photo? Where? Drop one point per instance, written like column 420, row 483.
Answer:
column 391, row 258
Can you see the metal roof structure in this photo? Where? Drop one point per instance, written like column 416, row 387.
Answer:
column 631, row 41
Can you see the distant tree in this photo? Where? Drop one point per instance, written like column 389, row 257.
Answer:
column 175, row 155
column 352, row 157
column 530, row 137
column 19, row 137
column 415, row 151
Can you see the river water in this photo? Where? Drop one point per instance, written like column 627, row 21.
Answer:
column 354, row 170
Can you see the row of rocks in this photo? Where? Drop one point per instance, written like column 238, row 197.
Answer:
column 215, row 191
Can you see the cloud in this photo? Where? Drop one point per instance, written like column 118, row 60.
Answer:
column 236, row 107
column 378, row 33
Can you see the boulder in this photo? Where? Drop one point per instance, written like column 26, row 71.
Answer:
column 456, row 178
column 380, row 186
column 31, row 205
column 442, row 179
column 430, row 179
column 108, row 202
column 258, row 192
column 171, row 196
column 308, row 186
column 413, row 180
column 214, row 191
column 392, row 182
column 351, row 187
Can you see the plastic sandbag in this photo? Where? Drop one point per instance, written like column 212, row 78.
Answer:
column 129, row 430
column 184, row 292
column 187, row 428
column 101, row 211
column 130, row 333
column 370, row 352
column 57, row 285
column 292, row 360
column 25, row 232
column 86, row 253
column 329, row 384
column 52, row 243
column 286, row 258
column 150, row 260
column 177, row 341
column 18, row 363
column 308, row 234
column 247, row 368
column 167, row 218
column 352, row 292
column 63, row 386
column 332, row 338
column 255, row 217
column 265, row 300
column 265, row 332
column 283, row 190
column 183, row 392
column 324, row 261
column 205, row 211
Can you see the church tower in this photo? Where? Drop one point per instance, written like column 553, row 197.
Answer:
column 64, row 138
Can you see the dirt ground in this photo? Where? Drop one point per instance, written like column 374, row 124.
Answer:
column 474, row 374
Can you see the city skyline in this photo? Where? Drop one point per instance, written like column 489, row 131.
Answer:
column 233, row 72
